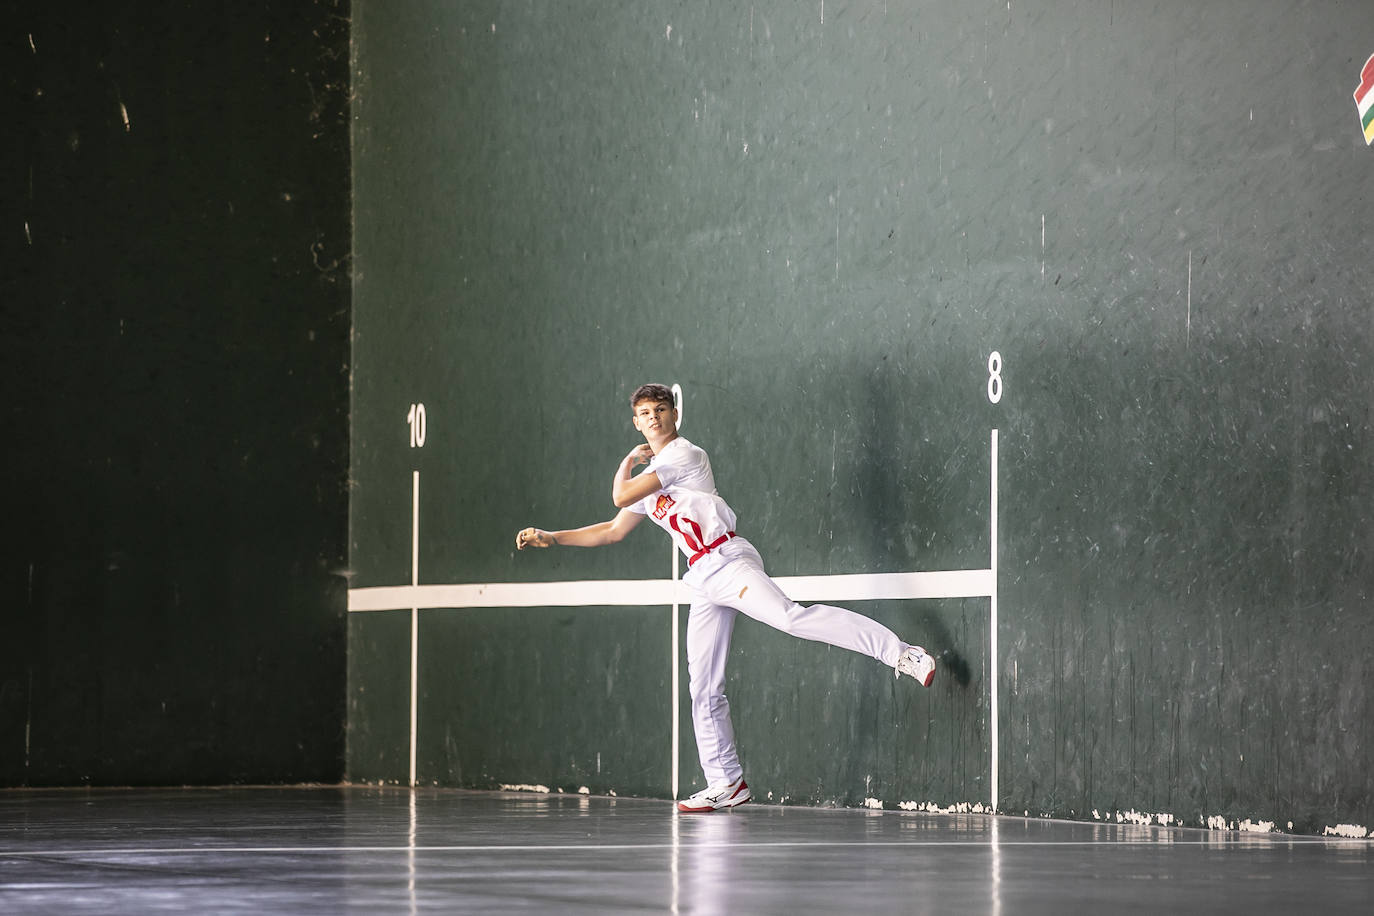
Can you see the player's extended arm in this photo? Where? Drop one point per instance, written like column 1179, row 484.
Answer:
column 627, row 490
column 598, row 535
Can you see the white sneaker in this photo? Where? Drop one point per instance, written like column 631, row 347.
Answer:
column 712, row 798
column 916, row 662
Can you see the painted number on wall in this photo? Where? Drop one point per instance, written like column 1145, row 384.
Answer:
column 416, row 419
column 995, row 377
column 677, row 402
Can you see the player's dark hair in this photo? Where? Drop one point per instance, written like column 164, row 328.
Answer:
column 652, row 392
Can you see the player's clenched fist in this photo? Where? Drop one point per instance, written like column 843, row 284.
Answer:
column 533, row 537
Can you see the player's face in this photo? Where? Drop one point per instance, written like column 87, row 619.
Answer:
column 655, row 419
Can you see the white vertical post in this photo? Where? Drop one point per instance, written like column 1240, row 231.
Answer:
column 414, row 614
column 677, row 702
column 992, row 623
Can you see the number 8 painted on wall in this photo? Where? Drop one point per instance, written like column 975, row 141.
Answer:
column 995, row 377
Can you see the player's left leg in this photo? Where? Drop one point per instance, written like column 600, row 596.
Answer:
column 709, row 627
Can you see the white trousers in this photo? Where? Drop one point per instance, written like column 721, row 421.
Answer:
column 731, row 580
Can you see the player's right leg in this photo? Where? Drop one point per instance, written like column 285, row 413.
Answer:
column 754, row 593
column 709, row 627
column 745, row 584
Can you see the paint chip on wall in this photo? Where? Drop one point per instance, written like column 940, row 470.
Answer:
column 1352, row 831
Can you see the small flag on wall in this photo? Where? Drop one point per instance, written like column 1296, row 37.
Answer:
column 1364, row 100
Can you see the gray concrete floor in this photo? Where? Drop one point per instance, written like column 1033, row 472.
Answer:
column 331, row 850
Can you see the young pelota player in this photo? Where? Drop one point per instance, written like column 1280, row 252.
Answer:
column 726, row 577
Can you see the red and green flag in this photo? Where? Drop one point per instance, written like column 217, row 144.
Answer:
column 1364, row 100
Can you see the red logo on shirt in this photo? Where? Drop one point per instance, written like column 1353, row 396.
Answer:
column 665, row 502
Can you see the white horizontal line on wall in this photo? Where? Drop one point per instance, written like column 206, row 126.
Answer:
column 958, row 583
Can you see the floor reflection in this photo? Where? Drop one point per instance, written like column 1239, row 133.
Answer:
column 330, row 850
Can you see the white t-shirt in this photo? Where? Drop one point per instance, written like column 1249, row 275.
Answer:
column 687, row 506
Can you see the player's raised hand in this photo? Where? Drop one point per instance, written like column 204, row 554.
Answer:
column 640, row 454
column 532, row 537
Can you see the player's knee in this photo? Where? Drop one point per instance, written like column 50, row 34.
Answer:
column 715, row 704
column 789, row 618
column 703, row 690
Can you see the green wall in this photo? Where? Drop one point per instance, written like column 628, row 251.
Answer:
column 174, row 363
column 820, row 220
